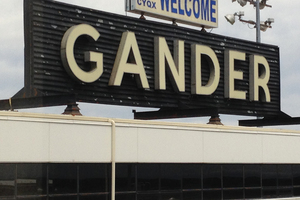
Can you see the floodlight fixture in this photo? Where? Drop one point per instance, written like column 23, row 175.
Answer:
column 266, row 24
column 262, row 3
column 269, row 21
column 241, row 2
column 259, row 4
column 231, row 17
column 263, row 25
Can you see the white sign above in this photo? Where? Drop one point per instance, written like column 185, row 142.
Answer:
column 203, row 13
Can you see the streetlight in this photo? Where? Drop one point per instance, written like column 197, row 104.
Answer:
column 259, row 4
column 263, row 25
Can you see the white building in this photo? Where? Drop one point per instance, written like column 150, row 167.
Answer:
column 66, row 157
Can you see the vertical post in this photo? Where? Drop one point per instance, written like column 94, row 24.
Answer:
column 258, row 39
column 113, row 159
column 28, row 50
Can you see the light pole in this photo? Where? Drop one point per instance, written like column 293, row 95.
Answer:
column 259, row 4
column 258, row 39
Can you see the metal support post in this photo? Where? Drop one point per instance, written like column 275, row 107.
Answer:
column 258, row 39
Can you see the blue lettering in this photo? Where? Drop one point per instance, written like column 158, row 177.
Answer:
column 205, row 9
column 149, row 4
column 163, row 4
column 154, row 5
column 196, row 12
column 144, row 1
column 188, row 11
column 174, row 10
column 181, row 11
column 212, row 10
column 139, row 2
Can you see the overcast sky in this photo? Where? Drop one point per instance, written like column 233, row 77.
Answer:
column 285, row 34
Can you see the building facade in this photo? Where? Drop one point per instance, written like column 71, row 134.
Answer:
column 66, row 157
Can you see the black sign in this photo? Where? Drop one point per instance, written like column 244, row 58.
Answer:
column 181, row 68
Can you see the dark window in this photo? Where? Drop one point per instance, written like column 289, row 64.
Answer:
column 32, row 198
column 233, row 194
column 192, row 195
column 148, row 177
column 7, row 180
column 150, row 196
column 170, row 177
column 128, row 196
column 269, row 193
column 285, row 192
column 93, row 178
column 252, row 175
column 62, row 178
column 64, row 198
column 296, row 191
column 252, row 193
column 148, row 181
column 125, row 177
column 269, row 175
column 170, row 196
column 211, row 176
column 296, row 175
column 232, row 176
column 94, row 197
column 191, row 176
column 212, row 195
column 31, row 179
column 285, row 175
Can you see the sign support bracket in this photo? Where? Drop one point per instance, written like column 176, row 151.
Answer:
column 34, row 102
column 281, row 119
column 175, row 113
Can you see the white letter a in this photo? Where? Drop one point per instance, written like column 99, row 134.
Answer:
column 128, row 46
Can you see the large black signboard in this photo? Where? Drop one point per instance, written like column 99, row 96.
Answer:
column 240, row 61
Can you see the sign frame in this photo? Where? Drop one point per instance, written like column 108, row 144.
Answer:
column 189, row 12
column 45, row 76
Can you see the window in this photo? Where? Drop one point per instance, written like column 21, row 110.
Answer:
column 62, row 178
column 7, row 180
column 33, row 198
column 269, row 193
column 193, row 195
column 94, row 197
column 171, row 196
column 148, row 177
column 296, row 180
column 233, row 194
column 148, row 181
column 212, row 176
column 285, row 192
column 252, row 175
column 93, row 178
column 125, row 177
column 171, row 177
column 296, row 175
column 63, row 197
column 148, row 196
column 269, row 175
column 212, row 195
column 285, row 175
column 32, row 179
column 191, row 176
column 233, row 176
column 252, row 193
column 125, row 196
